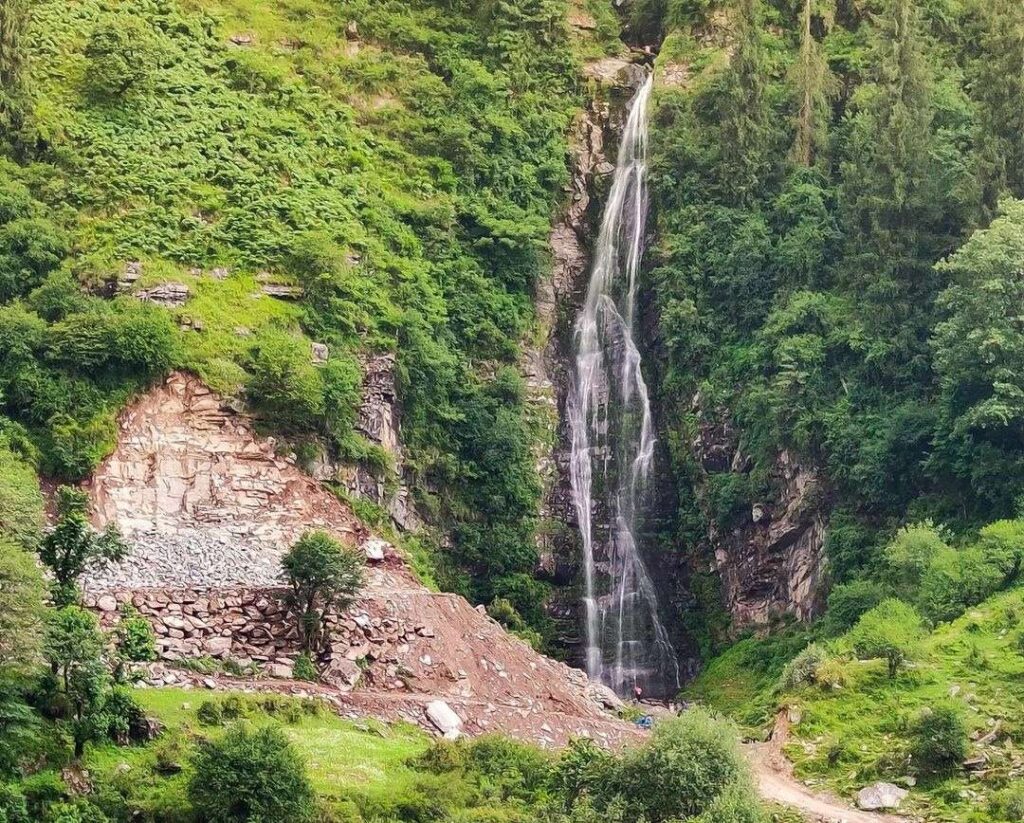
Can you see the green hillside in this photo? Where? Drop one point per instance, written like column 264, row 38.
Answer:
column 397, row 162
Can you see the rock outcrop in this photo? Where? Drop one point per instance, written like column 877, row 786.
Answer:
column 771, row 559
column 208, row 507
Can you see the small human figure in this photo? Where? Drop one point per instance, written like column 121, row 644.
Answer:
column 638, row 693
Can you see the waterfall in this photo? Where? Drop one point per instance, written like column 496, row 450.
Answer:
column 613, row 440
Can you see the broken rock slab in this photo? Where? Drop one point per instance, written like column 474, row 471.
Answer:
column 880, row 796
column 444, row 719
column 168, row 295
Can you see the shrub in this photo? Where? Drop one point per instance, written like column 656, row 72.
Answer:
column 938, row 738
column 21, row 504
column 889, row 631
column 1002, row 545
column 831, row 674
column 75, row 447
column 250, row 775
column 735, row 805
column 135, row 638
column 284, row 385
column 73, row 544
column 123, row 716
column 1008, row 803
column 13, row 808
column 304, row 669
column 22, row 590
column 77, row 811
column 30, row 248
column 123, row 53
column 802, row 669
column 209, row 713
column 912, row 551
column 684, row 769
column 234, row 707
column 847, row 602
column 956, row 580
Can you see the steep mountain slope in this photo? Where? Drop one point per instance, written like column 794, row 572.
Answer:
column 208, row 508
column 375, row 178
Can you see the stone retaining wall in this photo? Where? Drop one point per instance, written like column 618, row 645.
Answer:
column 252, row 626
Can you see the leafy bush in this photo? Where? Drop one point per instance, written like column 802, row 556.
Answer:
column 13, row 808
column 912, row 551
column 888, row 631
column 688, row 765
column 209, row 713
column 123, row 54
column 938, row 738
column 135, row 638
column 1008, row 803
column 954, row 580
column 1002, row 546
column 847, row 602
column 802, row 669
column 304, row 669
column 22, row 591
column 250, row 775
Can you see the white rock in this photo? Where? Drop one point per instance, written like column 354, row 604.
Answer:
column 374, row 549
column 880, row 795
column 445, row 719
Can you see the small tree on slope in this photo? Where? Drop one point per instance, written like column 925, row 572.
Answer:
column 324, row 578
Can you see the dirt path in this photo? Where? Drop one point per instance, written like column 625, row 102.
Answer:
column 776, row 783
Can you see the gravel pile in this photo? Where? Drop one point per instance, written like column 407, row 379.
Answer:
column 189, row 558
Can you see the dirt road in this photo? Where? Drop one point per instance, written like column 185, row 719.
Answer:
column 775, row 781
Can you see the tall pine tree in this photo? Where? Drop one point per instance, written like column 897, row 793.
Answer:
column 12, row 62
column 746, row 140
column 813, row 83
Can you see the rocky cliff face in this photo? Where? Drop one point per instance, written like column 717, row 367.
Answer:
column 208, row 507
column 379, row 422
column 771, row 559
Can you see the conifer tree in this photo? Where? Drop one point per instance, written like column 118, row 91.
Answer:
column 12, row 60
column 813, row 82
column 999, row 86
column 745, row 133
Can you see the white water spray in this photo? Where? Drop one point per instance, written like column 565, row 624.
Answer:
column 613, row 439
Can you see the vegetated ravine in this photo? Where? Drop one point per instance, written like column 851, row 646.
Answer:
column 627, row 645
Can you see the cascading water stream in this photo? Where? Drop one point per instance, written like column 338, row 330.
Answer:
column 613, row 439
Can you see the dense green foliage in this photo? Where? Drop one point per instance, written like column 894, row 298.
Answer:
column 816, row 275
column 73, row 545
column 396, row 162
column 250, row 775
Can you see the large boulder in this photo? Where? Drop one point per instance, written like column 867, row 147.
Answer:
column 445, row 719
column 880, row 795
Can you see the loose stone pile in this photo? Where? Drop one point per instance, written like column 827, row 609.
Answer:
column 190, row 558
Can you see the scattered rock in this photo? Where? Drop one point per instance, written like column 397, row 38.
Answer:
column 604, row 696
column 132, row 272
column 445, row 719
column 320, row 352
column 168, row 295
column 282, row 291
column 582, row 21
column 879, row 796
column 375, row 549
column 352, row 30
column 242, row 39
column 342, row 673
column 280, row 671
column 106, row 603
